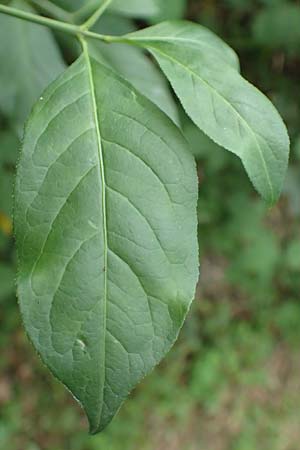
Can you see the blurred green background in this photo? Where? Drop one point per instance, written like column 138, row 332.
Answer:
column 232, row 381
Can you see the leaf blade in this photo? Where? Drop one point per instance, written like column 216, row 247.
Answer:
column 227, row 108
column 151, row 266
column 186, row 34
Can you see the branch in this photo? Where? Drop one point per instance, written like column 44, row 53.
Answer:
column 68, row 28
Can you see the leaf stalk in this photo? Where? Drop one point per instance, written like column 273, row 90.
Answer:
column 90, row 12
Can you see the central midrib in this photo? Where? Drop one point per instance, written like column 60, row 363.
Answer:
column 102, row 177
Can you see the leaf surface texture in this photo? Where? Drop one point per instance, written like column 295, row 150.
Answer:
column 106, row 232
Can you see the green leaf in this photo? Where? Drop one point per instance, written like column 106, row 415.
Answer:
column 181, row 35
column 226, row 107
column 70, row 5
column 135, row 8
column 113, row 24
column 32, row 61
column 134, row 65
column 131, row 8
column 169, row 9
column 106, row 231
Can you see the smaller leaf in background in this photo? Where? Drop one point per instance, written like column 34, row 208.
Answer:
column 277, row 27
column 169, row 10
column 114, row 25
column 133, row 64
column 129, row 8
column 32, row 60
column 70, row 5
column 135, row 8
column 224, row 105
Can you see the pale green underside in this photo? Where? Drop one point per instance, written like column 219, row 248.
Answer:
column 203, row 72
column 106, row 231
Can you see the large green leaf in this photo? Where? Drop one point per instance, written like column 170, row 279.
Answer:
column 106, row 226
column 30, row 61
column 134, row 65
column 225, row 106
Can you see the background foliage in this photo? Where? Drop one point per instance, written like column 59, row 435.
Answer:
column 232, row 380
